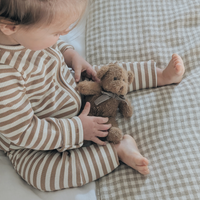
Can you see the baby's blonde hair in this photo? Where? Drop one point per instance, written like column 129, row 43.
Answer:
column 31, row 12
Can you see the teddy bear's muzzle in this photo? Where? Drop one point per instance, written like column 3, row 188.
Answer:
column 122, row 90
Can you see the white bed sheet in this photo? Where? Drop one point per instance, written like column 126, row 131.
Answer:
column 12, row 186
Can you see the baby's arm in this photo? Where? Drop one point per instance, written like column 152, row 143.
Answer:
column 21, row 126
column 79, row 65
column 76, row 62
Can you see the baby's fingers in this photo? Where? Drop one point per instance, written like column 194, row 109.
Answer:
column 102, row 133
column 94, row 76
column 101, row 120
column 103, row 127
column 77, row 75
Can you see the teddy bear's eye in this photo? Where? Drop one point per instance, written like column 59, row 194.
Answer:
column 115, row 78
column 123, row 79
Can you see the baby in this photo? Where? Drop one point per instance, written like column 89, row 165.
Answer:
column 41, row 129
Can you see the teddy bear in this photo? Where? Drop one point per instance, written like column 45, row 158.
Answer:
column 108, row 96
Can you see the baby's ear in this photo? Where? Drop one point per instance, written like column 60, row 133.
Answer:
column 130, row 77
column 8, row 29
column 102, row 71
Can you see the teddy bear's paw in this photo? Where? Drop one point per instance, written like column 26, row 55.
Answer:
column 82, row 87
column 88, row 88
column 114, row 135
column 128, row 113
column 126, row 108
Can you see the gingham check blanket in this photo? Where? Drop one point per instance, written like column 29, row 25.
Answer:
column 166, row 120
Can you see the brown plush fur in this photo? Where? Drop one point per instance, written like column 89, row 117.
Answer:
column 116, row 80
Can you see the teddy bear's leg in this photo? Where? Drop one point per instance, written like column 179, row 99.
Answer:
column 114, row 134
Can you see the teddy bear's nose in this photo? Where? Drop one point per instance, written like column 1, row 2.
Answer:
column 122, row 88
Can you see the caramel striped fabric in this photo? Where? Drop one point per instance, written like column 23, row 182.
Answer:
column 35, row 85
column 39, row 128
column 52, row 170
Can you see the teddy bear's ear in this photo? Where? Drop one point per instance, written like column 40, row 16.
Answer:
column 102, row 71
column 130, row 77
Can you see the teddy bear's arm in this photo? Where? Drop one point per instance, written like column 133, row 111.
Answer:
column 125, row 108
column 89, row 88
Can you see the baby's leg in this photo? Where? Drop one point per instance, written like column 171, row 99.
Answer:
column 129, row 154
column 145, row 75
column 53, row 170
column 173, row 73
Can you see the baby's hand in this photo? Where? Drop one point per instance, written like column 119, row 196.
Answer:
column 93, row 127
column 79, row 65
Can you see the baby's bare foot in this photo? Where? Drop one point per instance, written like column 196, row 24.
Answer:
column 129, row 154
column 173, row 73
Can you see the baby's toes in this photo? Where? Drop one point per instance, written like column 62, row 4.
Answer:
column 177, row 59
column 139, row 160
column 175, row 56
column 145, row 161
column 143, row 169
column 178, row 68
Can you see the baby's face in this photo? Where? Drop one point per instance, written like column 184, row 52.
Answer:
column 38, row 38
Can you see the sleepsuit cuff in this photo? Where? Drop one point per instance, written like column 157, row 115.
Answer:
column 72, row 134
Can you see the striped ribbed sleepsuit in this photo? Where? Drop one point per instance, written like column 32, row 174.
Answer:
column 39, row 128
